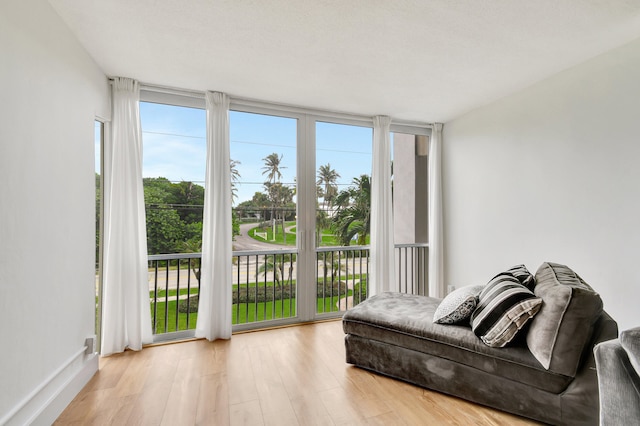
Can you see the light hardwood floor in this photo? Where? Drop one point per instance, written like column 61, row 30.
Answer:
column 287, row 376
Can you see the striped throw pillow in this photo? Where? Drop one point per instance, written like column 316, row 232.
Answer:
column 523, row 275
column 504, row 307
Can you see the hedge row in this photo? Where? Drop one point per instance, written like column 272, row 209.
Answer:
column 267, row 294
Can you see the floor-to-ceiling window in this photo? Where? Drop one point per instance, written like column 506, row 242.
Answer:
column 98, row 143
column 300, row 208
column 342, row 230
column 173, row 170
column 263, row 151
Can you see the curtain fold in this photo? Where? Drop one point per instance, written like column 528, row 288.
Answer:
column 436, row 245
column 126, row 321
column 382, row 273
column 214, row 308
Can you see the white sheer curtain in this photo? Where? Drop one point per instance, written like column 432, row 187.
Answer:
column 382, row 273
column 436, row 246
column 126, row 320
column 214, row 309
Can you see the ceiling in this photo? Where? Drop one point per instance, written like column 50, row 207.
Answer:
column 418, row 60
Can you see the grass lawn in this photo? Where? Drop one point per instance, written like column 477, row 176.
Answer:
column 241, row 313
column 183, row 291
column 328, row 239
column 279, row 238
column 171, row 315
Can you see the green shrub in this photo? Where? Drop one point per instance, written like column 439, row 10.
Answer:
column 267, row 294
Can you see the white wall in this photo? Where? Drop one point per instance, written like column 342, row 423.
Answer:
column 552, row 174
column 404, row 187
column 51, row 90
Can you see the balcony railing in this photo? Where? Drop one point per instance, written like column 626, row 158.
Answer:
column 342, row 276
column 412, row 266
column 264, row 284
column 174, row 285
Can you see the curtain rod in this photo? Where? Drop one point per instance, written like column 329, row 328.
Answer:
column 172, row 91
column 197, row 94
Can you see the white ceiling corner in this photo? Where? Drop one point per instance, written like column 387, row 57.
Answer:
column 413, row 60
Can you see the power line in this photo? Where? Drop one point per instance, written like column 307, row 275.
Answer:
column 343, row 151
column 240, row 182
column 254, row 143
column 174, row 134
column 162, row 206
column 262, row 143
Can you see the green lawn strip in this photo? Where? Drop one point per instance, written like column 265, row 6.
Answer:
column 241, row 313
column 234, row 287
column 248, row 312
column 327, row 239
column 159, row 309
column 173, row 292
column 328, row 304
column 279, row 238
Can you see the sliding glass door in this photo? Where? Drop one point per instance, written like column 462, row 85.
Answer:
column 263, row 173
column 343, row 203
column 301, row 202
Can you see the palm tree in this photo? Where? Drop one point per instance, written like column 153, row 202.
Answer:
column 328, row 177
column 331, row 262
column 280, row 195
column 352, row 215
column 272, row 170
column 279, row 264
column 235, row 177
column 272, row 167
column 322, row 223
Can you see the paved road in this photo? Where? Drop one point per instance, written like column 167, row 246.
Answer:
column 245, row 242
column 244, row 271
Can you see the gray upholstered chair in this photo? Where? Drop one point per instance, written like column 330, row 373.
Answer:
column 618, row 366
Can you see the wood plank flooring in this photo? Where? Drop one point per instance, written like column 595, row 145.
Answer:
column 287, row 376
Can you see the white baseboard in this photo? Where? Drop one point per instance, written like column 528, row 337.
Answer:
column 45, row 405
column 66, row 394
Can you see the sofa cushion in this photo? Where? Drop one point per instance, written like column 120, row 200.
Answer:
column 458, row 305
column 407, row 321
column 630, row 342
column 559, row 333
column 504, row 307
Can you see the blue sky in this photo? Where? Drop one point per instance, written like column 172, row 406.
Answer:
column 174, row 146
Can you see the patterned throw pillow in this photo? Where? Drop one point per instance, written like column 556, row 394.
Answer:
column 523, row 275
column 504, row 307
column 458, row 305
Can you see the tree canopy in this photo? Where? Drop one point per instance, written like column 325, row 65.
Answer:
column 174, row 214
column 174, row 210
column 352, row 218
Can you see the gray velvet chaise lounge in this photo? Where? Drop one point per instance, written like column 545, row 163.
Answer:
column 618, row 365
column 394, row 334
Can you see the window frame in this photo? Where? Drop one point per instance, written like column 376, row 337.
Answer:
column 307, row 118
